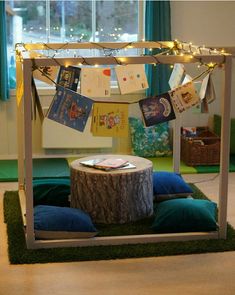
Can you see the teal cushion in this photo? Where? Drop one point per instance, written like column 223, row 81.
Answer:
column 54, row 192
column 61, row 220
column 149, row 141
column 185, row 215
column 217, row 129
column 169, row 184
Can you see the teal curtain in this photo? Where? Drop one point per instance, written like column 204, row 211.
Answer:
column 158, row 28
column 4, row 92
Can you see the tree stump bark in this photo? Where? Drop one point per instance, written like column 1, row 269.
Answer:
column 117, row 196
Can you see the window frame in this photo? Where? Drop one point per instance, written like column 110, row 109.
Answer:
column 140, row 36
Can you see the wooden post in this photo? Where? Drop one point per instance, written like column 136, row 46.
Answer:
column 225, row 147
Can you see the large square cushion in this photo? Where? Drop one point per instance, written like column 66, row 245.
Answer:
column 51, row 191
column 185, row 215
column 168, row 185
column 52, row 222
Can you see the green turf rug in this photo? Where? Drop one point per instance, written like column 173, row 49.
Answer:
column 42, row 168
column 19, row 254
column 215, row 168
column 166, row 164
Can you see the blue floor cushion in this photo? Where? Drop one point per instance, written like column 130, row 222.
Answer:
column 168, row 185
column 185, row 215
column 52, row 222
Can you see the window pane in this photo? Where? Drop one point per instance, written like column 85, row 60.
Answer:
column 28, row 21
column 70, row 21
column 116, row 20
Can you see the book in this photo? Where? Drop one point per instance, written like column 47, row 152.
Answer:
column 108, row 164
column 68, row 77
column 185, row 96
column 92, row 162
column 176, row 75
column 95, row 82
column 131, row 78
column 110, row 119
column 70, row 108
column 157, row 109
column 189, row 131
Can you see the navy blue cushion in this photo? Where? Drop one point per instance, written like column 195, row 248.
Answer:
column 63, row 220
column 169, row 184
column 52, row 191
column 185, row 215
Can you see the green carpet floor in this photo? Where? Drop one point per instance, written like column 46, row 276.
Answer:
column 59, row 167
column 19, row 254
column 166, row 164
column 42, row 168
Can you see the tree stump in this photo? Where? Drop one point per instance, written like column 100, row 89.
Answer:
column 116, row 196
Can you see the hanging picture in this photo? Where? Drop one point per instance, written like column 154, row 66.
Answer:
column 95, row 82
column 184, row 97
column 131, row 78
column 207, row 91
column 110, row 119
column 70, row 108
column 176, row 75
column 157, row 109
column 46, row 74
column 68, row 77
column 187, row 78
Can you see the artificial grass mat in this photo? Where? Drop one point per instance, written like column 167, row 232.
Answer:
column 19, row 254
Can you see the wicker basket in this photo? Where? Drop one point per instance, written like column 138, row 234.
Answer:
column 202, row 149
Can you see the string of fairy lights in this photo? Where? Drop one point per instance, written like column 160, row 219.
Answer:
column 175, row 48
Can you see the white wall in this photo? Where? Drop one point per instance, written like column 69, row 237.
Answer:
column 209, row 23
column 202, row 22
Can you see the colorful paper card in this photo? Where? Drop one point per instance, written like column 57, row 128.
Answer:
column 110, row 119
column 184, row 97
column 207, row 90
column 157, row 109
column 202, row 92
column 70, row 108
column 68, row 77
column 131, row 78
column 187, row 78
column 176, row 75
column 95, row 82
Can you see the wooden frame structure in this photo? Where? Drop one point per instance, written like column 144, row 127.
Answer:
column 172, row 52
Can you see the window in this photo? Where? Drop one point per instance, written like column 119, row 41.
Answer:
column 71, row 21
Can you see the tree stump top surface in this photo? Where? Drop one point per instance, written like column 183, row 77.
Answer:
column 140, row 163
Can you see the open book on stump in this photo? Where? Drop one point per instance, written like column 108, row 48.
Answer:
column 108, row 164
